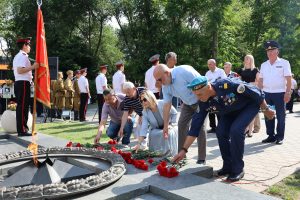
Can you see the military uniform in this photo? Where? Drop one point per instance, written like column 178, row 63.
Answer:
column 69, row 91
column 60, row 94
column 236, row 103
column 22, row 88
column 76, row 97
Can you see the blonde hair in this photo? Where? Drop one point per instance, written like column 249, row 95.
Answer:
column 147, row 94
column 252, row 63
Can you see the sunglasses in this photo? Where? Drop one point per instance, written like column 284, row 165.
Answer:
column 144, row 100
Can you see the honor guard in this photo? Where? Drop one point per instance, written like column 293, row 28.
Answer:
column 119, row 78
column 23, row 78
column 69, row 90
column 237, row 103
column 149, row 78
column 101, row 85
column 60, row 94
column 83, row 84
column 76, row 95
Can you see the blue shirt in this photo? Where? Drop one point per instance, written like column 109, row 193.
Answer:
column 181, row 77
column 229, row 99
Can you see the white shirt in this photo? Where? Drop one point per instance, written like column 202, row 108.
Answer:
column 117, row 81
column 294, row 84
column 101, row 82
column 217, row 74
column 150, row 80
column 273, row 76
column 21, row 60
column 83, row 84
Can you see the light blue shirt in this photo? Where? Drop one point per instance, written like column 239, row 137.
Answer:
column 181, row 77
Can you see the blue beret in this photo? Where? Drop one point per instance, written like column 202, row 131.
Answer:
column 271, row 44
column 197, row 83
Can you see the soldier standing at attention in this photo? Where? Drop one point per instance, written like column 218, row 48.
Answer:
column 83, row 84
column 76, row 95
column 23, row 77
column 119, row 78
column 237, row 103
column 60, row 94
column 101, row 85
column 69, row 90
column 149, row 78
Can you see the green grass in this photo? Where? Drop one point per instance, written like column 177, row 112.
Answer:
column 288, row 188
column 72, row 131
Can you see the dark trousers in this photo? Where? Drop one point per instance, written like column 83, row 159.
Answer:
column 276, row 99
column 212, row 120
column 84, row 97
column 22, row 92
column 290, row 104
column 231, row 137
column 100, row 99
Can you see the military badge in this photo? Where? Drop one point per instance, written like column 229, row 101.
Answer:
column 241, row 88
column 225, row 86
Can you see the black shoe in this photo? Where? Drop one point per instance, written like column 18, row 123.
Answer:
column 24, row 134
column 201, row 162
column 279, row 142
column 212, row 130
column 235, row 177
column 222, row 172
column 269, row 140
column 291, row 111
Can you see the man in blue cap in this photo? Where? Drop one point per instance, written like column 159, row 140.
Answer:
column 275, row 79
column 237, row 103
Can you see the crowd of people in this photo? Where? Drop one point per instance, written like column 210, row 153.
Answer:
column 232, row 101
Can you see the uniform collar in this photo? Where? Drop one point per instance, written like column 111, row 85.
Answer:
column 23, row 52
column 277, row 60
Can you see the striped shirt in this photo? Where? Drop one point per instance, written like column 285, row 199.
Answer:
column 134, row 104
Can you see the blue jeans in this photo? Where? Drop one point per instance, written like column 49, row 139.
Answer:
column 113, row 129
column 276, row 99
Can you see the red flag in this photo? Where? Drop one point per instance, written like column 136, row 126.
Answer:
column 43, row 76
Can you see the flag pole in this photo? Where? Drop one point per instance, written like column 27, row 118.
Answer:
column 39, row 3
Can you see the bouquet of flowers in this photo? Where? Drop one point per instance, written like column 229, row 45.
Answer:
column 12, row 106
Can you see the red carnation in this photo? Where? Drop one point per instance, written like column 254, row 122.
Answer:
column 78, row 145
column 150, row 160
column 69, row 144
column 163, row 163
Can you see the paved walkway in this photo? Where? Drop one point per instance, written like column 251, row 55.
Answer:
column 265, row 164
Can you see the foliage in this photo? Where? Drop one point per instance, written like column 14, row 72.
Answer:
column 71, row 131
column 195, row 30
column 288, row 188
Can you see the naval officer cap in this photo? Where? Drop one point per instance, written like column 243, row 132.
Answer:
column 83, row 70
column 119, row 63
column 154, row 58
column 197, row 83
column 77, row 72
column 24, row 40
column 103, row 67
column 271, row 44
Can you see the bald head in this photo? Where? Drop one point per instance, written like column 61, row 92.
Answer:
column 162, row 73
column 211, row 63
